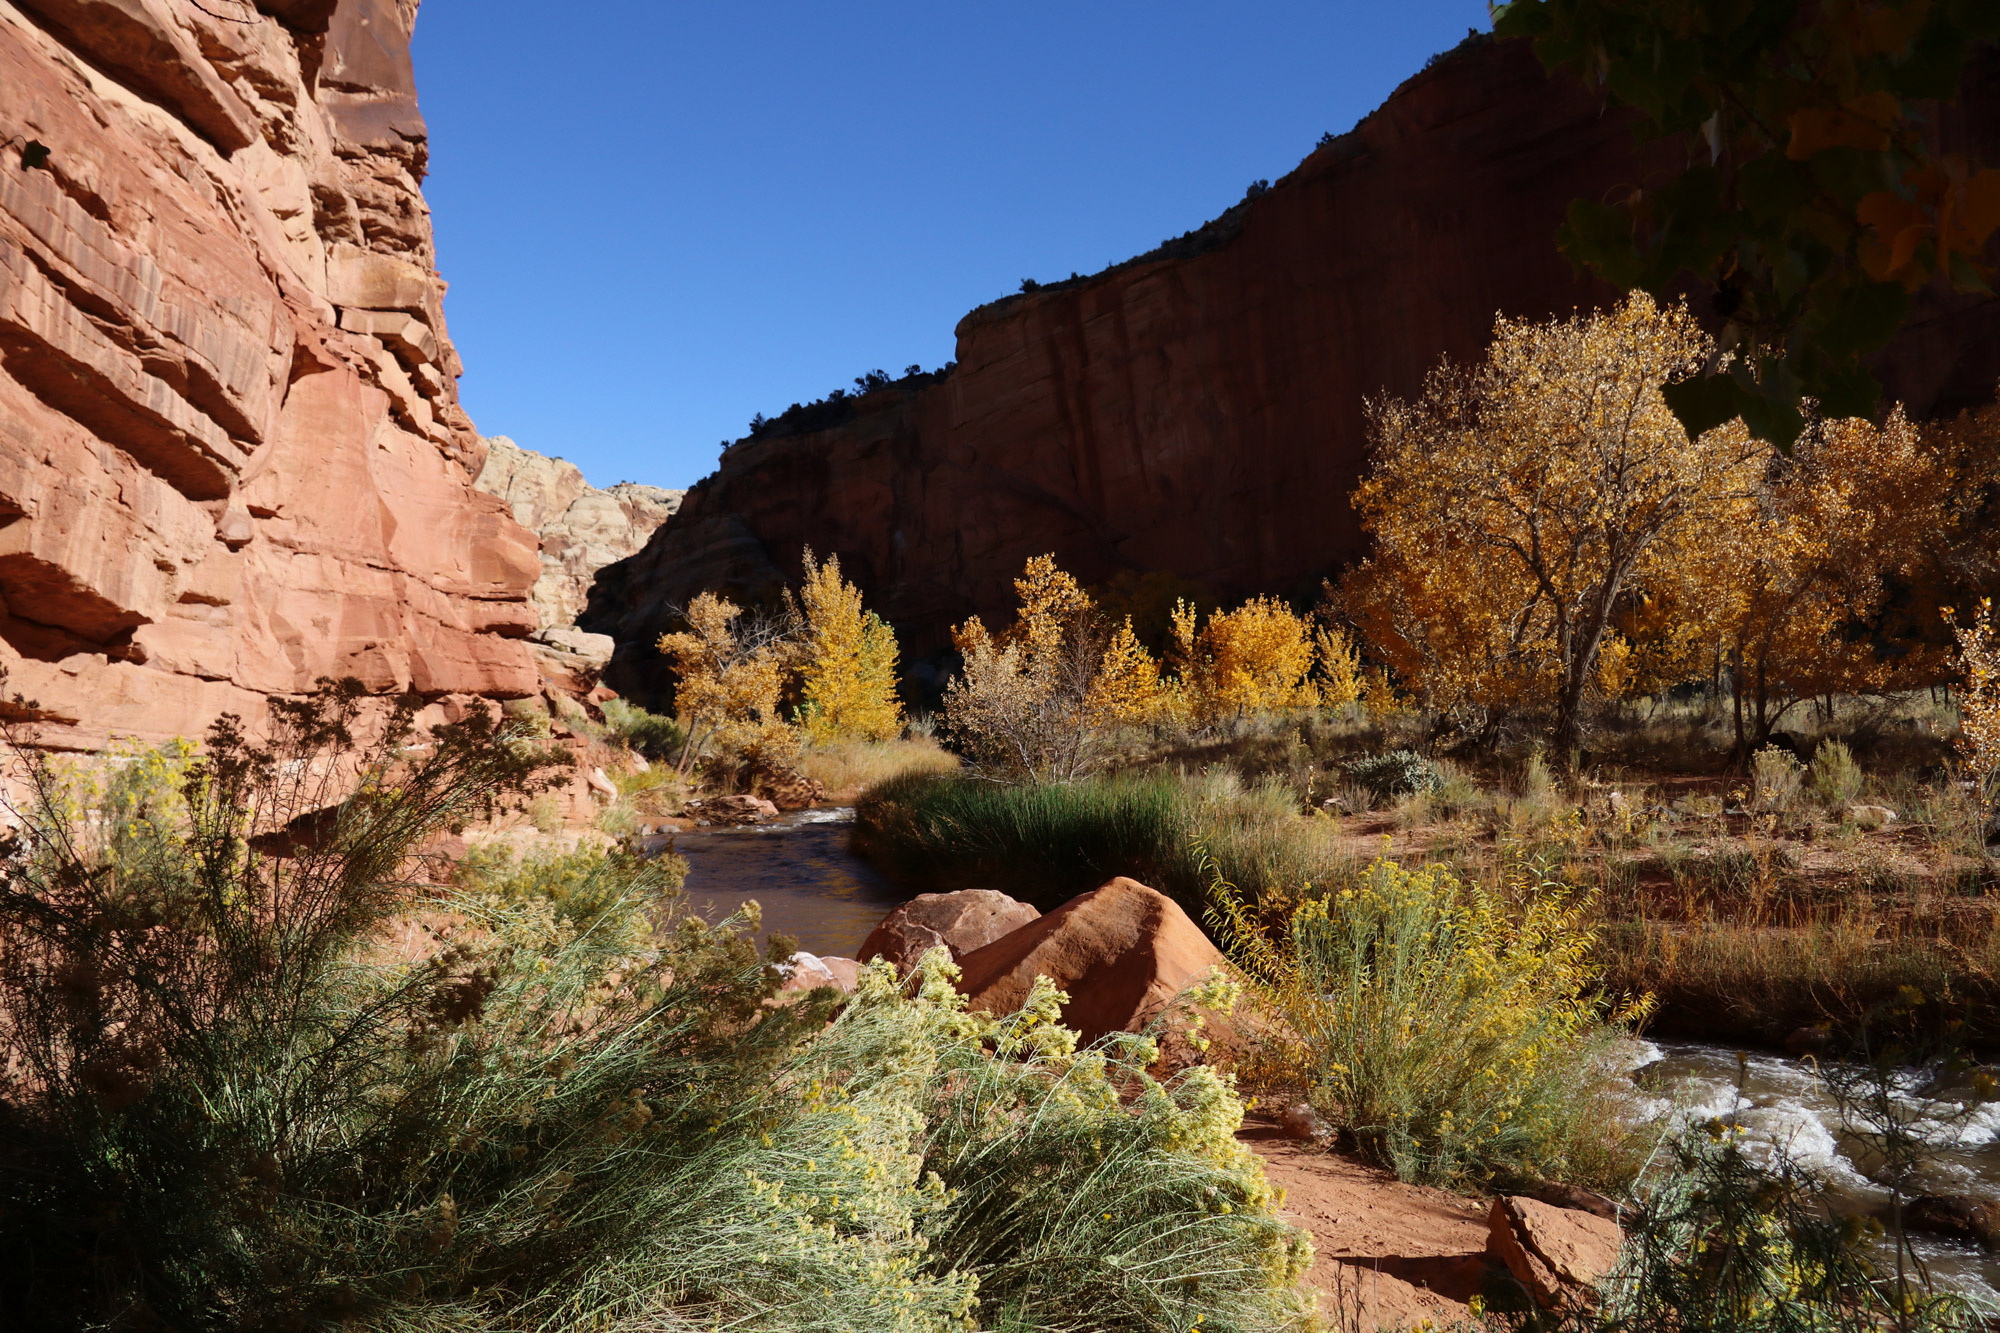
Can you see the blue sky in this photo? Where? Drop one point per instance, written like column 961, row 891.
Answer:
column 659, row 219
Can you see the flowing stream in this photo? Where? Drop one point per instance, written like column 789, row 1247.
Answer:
column 1782, row 1103
column 799, row 870
column 813, row 888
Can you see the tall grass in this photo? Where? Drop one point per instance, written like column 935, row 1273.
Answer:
column 1044, row 843
column 846, row 767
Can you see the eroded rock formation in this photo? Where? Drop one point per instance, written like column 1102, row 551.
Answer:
column 232, row 458
column 1200, row 410
column 582, row 528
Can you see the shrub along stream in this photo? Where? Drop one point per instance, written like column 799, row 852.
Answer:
column 228, row 1101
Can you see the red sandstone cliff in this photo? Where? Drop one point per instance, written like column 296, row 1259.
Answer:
column 232, row 458
column 1200, row 410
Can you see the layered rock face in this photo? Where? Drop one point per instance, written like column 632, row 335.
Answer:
column 582, row 529
column 1201, row 410
column 232, row 458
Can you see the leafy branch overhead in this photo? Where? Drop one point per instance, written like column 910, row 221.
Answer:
column 1815, row 201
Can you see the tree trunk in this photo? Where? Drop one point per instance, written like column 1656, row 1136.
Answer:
column 1736, row 695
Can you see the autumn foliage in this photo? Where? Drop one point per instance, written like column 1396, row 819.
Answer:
column 848, row 661
column 735, row 670
column 1549, row 538
column 1518, row 504
column 1045, row 697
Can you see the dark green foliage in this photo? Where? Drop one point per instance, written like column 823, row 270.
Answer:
column 651, row 734
column 1813, row 201
column 1396, row 773
column 837, row 408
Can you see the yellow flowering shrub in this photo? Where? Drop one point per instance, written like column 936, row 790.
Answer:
column 1082, row 1191
column 1441, row 1027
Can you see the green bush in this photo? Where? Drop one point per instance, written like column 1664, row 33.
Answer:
column 230, row 1101
column 1775, row 778
column 1452, row 1038
column 1396, row 773
column 650, row 734
column 1836, row 778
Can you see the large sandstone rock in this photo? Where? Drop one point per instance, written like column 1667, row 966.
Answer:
column 232, row 458
column 582, row 528
column 1123, row 952
column 1558, row 1254
column 962, row 922
column 1199, row 410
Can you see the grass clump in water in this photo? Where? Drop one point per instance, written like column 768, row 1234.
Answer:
column 1044, row 843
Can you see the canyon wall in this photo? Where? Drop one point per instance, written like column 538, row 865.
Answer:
column 581, row 528
column 232, row 458
column 1200, row 410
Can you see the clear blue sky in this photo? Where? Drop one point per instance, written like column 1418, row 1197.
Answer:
column 659, row 219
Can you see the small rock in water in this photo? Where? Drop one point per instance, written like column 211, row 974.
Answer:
column 1814, row 1040
column 733, row 810
column 805, row 971
column 1959, row 1216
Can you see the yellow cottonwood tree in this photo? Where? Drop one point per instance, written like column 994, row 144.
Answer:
column 847, row 661
column 1851, row 510
column 1257, row 658
column 730, row 676
column 1127, row 686
column 1338, row 676
column 1516, row 504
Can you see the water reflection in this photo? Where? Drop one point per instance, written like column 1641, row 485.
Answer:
column 799, row 869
